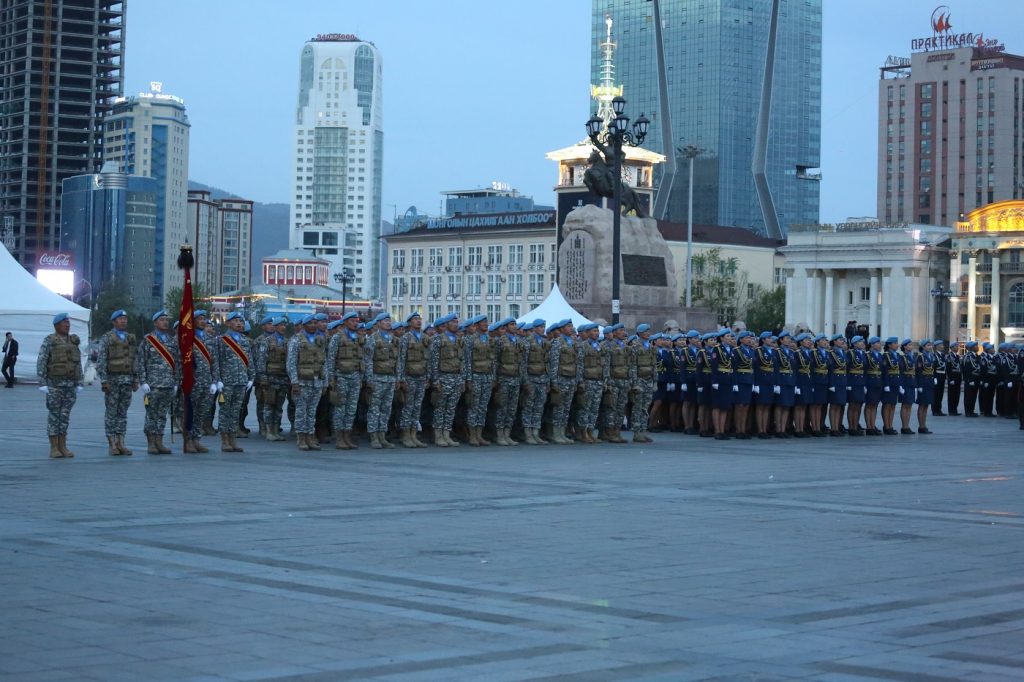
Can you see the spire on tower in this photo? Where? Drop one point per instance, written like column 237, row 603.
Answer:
column 607, row 90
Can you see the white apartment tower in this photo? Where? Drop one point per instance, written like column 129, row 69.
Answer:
column 336, row 205
column 147, row 135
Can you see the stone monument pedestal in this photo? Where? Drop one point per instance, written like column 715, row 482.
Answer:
column 649, row 290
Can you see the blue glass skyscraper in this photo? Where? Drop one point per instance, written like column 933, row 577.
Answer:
column 715, row 58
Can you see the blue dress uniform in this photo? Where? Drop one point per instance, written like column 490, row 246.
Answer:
column 690, row 374
column 704, row 391
column 891, row 381
column 873, row 374
column 856, row 373
column 837, row 377
column 743, row 373
column 803, row 362
column 679, row 356
column 667, row 374
column 819, row 375
column 722, row 380
column 971, row 369
column 786, row 378
column 766, row 369
column 908, row 374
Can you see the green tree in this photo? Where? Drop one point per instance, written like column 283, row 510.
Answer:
column 767, row 311
column 172, row 300
column 113, row 296
column 719, row 285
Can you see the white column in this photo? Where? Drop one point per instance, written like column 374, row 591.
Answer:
column 972, row 293
column 993, row 336
column 811, row 305
column 790, row 301
column 829, row 324
column 873, row 305
column 886, row 303
column 908, row 301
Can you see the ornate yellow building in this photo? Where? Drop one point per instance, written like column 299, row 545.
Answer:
column 987, row 273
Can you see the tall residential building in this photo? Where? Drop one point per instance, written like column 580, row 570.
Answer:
column 108, row 222
column 147, row 135
column 950, row 130
column 714, row 66
column 60, row 70
column 221, row 230
column 336, row 209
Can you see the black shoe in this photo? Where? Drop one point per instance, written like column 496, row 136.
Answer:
column 971, row 414
column 924, row 431
column 706, row 434
column 907, row 432
column 742, row 436
column 856, row 432
column 817, row 434
column 836, row 433
column 764, row 436
column 801, row 434
column 873, row 432
column 890, row 432
column 721, row 436
column 691, row 432
column 783, row 434
column 938, row 414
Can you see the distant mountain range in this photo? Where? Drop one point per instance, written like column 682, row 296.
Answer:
column 269, row 225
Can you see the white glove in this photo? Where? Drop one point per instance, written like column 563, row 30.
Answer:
column 902, row 390
column 735, row 388
column 972, row 383
column 798, row 392
column 984, row 384
column 777, row 390
column 886, row 389
column 832, row 389
column 700, row 389
column 714, row 386
column 1009, row 384
column 44, row 389
column 757, row 390
column 213, row 389
column 684, row 387
column 248, row 386
column 936, row 382
column 220, row 385
column 79, row 389
column 145, row 388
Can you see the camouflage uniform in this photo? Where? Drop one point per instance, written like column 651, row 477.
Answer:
column 481, row 361
column 381, row 364
column 310, row 381
column 115, row 367
column 448, row 374
column 259, row 347
column 205, row 371
column 565, row 367
column 622, row 375
column 595, row 377
column 538, row 379
column 345, row 371
column 511, row 367
column 162, row 378
column 270, row 357
column 235, row 372
column 413, row 349
column 59, row 366
column 645, row 356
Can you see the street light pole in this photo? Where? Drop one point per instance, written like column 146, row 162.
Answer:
column 690, row 152
column 343, row 278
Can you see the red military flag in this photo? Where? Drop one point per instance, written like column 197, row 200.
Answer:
column 186, row 335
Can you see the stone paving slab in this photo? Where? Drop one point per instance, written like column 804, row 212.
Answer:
column 826, row 559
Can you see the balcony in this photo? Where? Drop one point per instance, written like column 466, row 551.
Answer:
column 983, row 299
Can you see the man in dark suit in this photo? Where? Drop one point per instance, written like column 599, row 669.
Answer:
column 10, row 358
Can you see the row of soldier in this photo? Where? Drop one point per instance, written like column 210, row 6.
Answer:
column 507, row 375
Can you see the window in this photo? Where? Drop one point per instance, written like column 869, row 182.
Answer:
column 473, row 285
column 865, row 293
column 435, row 286
column 494, row 253
column 926, row 91
column 472, row 310
column 436, row 257
column 926, row 110
column 536, row 254
column 415, row 287
column 455, row 285
column 397, row 259
column 515, row 255
column 750, row 291
column 396, row 287
column 476, row 256
column 515, row 285
column 415, row 260
column 493, row 285
column 513, row 309
column 455, row 256
column 493, row 311
column 926, row 147
column 926, row 165
column 554, row 253
column 536, row 283
column 433, row 311
column 310, row 238
column 780, row 276
column 1015, row 306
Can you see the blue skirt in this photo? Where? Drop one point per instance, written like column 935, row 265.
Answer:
column 892, row 396
column 873, row 395
column 838, row 396
column 856, row 394
column 766, row 395
column 661, row 392
column 787, row 398
column 820, row 394
column 926, row 394
column 744, row 395
column 909, row 395
column 722, row 398
column 704, row 397
column 691, row 395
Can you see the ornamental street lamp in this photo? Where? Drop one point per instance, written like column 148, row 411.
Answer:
column 691, row 152
column 609, row 140
column 941, row 294
column 343, row 278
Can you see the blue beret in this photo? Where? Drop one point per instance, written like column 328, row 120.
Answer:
column 709, row 336
column 526, row 326
column 693, row 334
column 233, row 316
column 906, row 342
column 613, row 327
column 784, row 334
column 586, row 327
column 334, row 325
column 382, row 316
column 938, row 342
column 320, row 317
column 892, row 339
column 493, row 326
column 873, row 340
column 307, row 319
column 641, row 328
column 281, row 319
column 802, row 336
column 463, row 324
column 924, row 342
column 158, row 314
column 986, row 345
column 399, row 325
column 677, row 336
column 269, row 319
column 415, row 313
column 539, row 322
column 765, row 335
column 561, row 323
column 199, row 313
column 349, row 316
column 657, row 335
column 972, row 344
column 60, row 317
column 552, row 327
column 744, row 334
column 819, row 337
column 836, row 337
column 856, row 339
column 116, row 314
column 632, row 337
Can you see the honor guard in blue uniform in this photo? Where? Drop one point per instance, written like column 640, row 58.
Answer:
column 837, row 385
column 892, row 385
column 743, row 360
column 785, row 399
column 856, row 382
column 804, row 389
column 908, row 384
column 723, row 386
column 926, row 365
column 954, row 380
column 989, row 378
column 664, row 390
column 766, row 383
column 820, row 383
column 691, row 382
column 874, row 360
column 940, row 377
column 704, row 391
column 678, row 346
column 972, row 369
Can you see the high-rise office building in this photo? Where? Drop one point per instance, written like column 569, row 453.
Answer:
column 714, row 67
column 336, row 203
column 147, row 135
column 221, row 230
column 950, row 130
column 108, row 222
column 60, row 70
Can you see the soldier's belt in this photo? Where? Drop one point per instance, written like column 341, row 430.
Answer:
column 725, row 371
column 821, row 371
column 874, row 372
column 741, row 371
column 785, row 371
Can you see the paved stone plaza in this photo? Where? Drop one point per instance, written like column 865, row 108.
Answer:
column 824, row 559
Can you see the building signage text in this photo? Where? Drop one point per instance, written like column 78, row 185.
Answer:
column 495, row 220
column 55, row 260
column 944, row 38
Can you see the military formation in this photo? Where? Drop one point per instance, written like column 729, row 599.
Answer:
column 480, row 383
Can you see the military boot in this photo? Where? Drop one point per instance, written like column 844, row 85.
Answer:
column 348, row 439
column 301, row 440
column 407, row 441
column 121, row 446
column 161, row 449
column 500, row 438
column 225, row 443
column 375, row 440
column 189, row 446
column 439, row 439
column 62, row 443
column 55, row 452
column 313, row 441
column 415, row 438
column 382, row 438
column 234, row 444
column 151, row 444
column 112, row 448
column 339, row 441
column 451, row 441
column 199, row 446
column 509, row 438
column 480, row 436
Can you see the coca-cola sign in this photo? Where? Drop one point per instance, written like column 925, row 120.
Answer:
column 57, row 260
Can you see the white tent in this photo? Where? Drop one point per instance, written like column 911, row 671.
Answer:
column 27, row 309
column 552, row 309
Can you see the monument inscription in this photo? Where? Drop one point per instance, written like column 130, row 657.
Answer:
column 644, row 270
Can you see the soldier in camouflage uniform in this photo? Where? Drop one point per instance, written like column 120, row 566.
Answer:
column 481, row 360
column 158, row 366
column 536, row 380
column 259, row 357
column 306, row 358
column 565, row 367
column 413, row 350
column 621, row 376
column 235, row 376
column 344, row 370
column 595, row 379
column 115, row 367
column 382, row 363
column 646, row 358
column 204, row 390
column 59, row 366
column 448, row 376
column 511, row 368
column 272, row 367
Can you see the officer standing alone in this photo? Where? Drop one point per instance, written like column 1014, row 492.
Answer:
column 115, row 367
column 59, row 367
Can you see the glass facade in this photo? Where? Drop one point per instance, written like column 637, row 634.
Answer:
column 715, row 54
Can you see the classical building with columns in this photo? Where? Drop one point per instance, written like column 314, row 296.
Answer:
column 884, row 276
column 987, row 275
